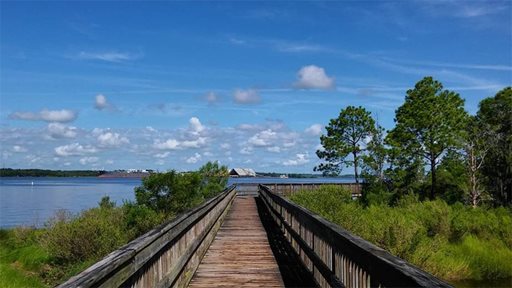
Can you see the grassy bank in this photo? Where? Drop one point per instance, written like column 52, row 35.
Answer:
column 32, row 257
column 453, row 242
column 70, row 243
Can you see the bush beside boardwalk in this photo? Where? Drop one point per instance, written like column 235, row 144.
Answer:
column 453, row 242
column 70, row 243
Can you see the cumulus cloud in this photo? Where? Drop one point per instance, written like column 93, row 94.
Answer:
column 300, row 159
column 151, row 129
column 194, row 159
column 249, row 96
column 263, row 138
column 162, row 155
column 170, row 144
column 313, row 77
column 173, row 144
column 63, row 115
column 314, row 130
column 111, row 139
column 88, row 160
column 101, row 102
column 195, row 125
column 197, row 143
column 58, row 130
column 74, row 149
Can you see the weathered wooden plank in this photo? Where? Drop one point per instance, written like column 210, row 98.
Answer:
column 240, row 254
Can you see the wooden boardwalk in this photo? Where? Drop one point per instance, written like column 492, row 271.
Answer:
column 240, row 255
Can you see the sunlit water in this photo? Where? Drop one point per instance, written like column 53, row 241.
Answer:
column 32, row 201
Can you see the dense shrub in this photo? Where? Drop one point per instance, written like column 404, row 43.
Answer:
column 450, row 241
column 92, row 234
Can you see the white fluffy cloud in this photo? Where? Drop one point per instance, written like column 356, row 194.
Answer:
column 88, row 160
column 263, row 138
column 195, row 125
column 74, row 149
column 58, row 130
column 313, row 77
column 111, row 139
column 162, row 155
column 194, row 159
column 300, row 159
column 314, row 130
column 249, row 96
column 274, row 149
column 170, row 144
column 101, row 102
column 63, row 115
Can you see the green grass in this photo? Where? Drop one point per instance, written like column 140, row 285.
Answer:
column 21, row 259
column 453, row 242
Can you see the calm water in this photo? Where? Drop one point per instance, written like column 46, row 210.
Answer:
column 31, row 201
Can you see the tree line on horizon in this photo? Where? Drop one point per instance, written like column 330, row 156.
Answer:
column 436, row 149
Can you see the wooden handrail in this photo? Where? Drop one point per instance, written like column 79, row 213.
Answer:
column 165, row 256
column 338, row 258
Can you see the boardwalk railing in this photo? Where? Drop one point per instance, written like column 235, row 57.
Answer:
column 337, row 258
column 287, row 189
column 163, row 257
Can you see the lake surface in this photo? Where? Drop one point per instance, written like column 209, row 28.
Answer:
column 33, row 200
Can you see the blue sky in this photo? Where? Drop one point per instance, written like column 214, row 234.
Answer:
column 161, row 85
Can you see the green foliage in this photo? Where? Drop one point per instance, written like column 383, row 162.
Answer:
column 214, row 178
column 139, row 219
column 91, row 235
column 345, row 135
column 8, row 172
column 428, row 124
column 70, row 243
column 452, row 178
column 170, row 192
column 450, row 241
column 21, row 258
column 495, row 117
column 174, row 192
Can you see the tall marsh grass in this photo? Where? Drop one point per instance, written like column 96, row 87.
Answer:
column 453, row 242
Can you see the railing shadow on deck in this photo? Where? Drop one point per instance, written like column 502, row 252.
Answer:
column 337, row 258
column 163, row 257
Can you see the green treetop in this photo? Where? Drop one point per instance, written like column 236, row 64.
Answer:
column 428, row 124
column 346, row 135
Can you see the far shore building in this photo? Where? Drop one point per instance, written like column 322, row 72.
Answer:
column 242, row 172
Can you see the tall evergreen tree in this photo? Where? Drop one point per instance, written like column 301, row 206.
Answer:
column 428, row 124
column 346, row 135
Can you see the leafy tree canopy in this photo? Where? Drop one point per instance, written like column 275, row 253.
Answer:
column 428, row 124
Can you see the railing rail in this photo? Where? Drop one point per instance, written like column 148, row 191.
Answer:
column 165, row 256
column 287, row 189
column 337, row 258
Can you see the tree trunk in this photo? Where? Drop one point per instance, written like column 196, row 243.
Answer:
column 355, row 167
column 433, row 173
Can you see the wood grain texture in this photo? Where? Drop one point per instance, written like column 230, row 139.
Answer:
column 240, row 255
